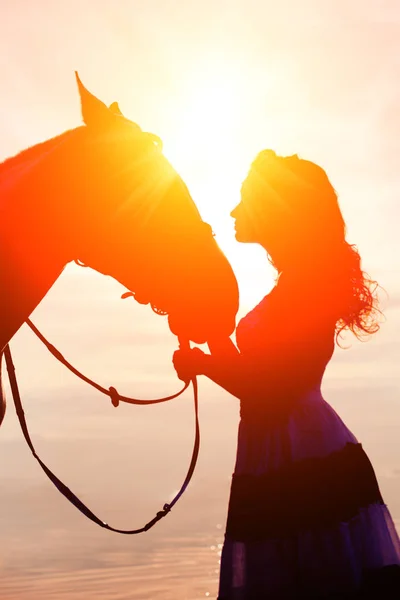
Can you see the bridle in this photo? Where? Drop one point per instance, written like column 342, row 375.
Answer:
column 116, row 398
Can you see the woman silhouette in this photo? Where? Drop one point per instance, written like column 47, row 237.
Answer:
column 306, row 518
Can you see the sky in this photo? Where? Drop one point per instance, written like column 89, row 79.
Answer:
column 217, row 81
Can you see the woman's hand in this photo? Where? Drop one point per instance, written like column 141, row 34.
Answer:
column 188, row 363
column 223, row 348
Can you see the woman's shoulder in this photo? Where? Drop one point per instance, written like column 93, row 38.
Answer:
column 294, row 298
column 306, row 296
column 254, row 322
column 260, row 310
column 292, row 311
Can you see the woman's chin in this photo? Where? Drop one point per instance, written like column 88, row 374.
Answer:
column 239, row 237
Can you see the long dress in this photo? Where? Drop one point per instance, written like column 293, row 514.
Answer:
column 306, row 518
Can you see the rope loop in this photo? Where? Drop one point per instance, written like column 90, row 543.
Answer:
column 115, row 399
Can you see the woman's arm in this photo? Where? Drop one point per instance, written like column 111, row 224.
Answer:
column 225, row 366
column 230, row 373
column 287, row 367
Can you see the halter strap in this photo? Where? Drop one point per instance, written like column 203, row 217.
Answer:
column 115, row 399
column 113, row 394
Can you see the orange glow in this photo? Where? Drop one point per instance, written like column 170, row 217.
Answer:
column 205, row 145
column 218, row 81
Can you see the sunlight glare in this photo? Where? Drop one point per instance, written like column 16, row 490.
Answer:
column 205, row 147
column 213, row 139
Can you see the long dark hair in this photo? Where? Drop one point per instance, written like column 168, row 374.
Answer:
column 359, row 312
column 313, row 223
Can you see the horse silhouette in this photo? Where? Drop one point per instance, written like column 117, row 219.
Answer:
column 104, row 194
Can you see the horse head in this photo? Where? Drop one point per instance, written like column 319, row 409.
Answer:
column 138, row 223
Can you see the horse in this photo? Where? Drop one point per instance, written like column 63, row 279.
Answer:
column 104, row 195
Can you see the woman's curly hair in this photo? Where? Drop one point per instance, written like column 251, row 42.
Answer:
column 359, row 299
column 316, row 231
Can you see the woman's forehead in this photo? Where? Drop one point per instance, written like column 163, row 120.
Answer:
column 255, row 184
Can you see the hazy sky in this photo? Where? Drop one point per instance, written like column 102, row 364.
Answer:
column 218, row 81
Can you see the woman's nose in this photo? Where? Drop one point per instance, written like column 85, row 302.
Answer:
column 234, row 211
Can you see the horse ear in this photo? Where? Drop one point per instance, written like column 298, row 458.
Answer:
column 115, row 109
column 94, row 111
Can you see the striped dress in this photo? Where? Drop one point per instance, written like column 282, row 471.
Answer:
column 306, row 519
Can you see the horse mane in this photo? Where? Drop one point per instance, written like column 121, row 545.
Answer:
column 33, row 152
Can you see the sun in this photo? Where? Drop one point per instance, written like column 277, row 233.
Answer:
column 206, row 147
column 214, row 135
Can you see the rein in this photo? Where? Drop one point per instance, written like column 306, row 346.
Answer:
column 116, row 398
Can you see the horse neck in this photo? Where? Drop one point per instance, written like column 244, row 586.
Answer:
column 27, row 272
column 30, row 255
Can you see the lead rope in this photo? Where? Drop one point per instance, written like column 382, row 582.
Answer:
column 115, row 398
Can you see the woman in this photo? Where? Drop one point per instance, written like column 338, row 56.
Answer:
column 306, row 518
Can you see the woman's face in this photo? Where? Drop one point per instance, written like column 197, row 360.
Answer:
column 261, row 217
